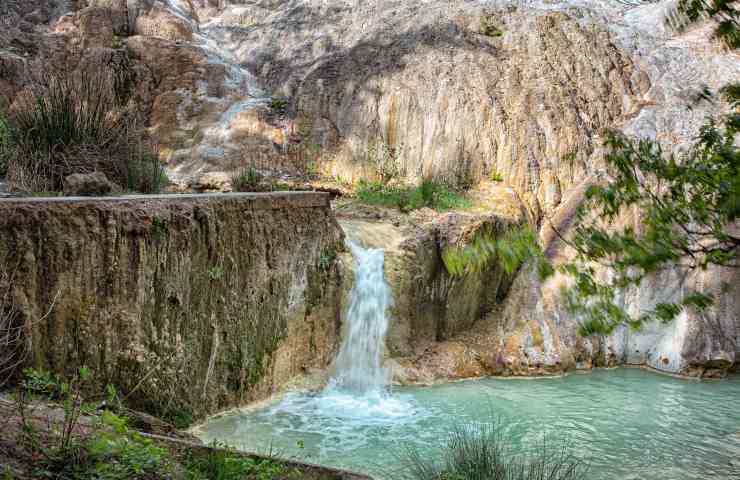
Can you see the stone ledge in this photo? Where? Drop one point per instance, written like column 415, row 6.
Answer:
column 258, row 201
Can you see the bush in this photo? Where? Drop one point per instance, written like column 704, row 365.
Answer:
column 429, row 194
column 246, row 180
column 78, row 122
column 510, row 250
column 144, row 173
column 41, row 382
column 479, row 452
column 222, row 464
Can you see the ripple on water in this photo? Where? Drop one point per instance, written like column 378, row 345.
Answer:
column 630, row 424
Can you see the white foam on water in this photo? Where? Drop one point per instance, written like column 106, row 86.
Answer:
column 357, row 399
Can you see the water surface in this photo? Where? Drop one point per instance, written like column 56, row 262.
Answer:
column 629, row 423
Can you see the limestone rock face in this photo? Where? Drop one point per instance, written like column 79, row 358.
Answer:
column 191, row 304
column 530, row 332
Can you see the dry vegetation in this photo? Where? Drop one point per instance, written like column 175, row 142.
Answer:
column 78, row 122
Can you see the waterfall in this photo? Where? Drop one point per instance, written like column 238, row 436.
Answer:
column 359, row 363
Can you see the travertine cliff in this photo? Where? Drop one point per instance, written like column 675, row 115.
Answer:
column 457, row 90
column 188, row 304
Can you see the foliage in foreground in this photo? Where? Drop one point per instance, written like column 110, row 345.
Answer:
column 687, row 206
column 406, row 198
column 480, row 452
column 224, row 465
column 103, row 447
column 78, row 122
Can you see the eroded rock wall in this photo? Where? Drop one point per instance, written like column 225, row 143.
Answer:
column 186, row 304
column 531, row 332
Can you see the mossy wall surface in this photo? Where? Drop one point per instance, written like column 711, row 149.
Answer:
column 187, row 304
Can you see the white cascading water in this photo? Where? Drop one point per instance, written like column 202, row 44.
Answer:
column 359, row 365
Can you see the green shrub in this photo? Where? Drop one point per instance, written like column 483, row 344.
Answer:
column 429, row 194
column 180, row 418
column 41, row 382
column 327, row 259
column 143, row 172
column 279, row 105
column 78, row 122
column 223, row 464
column 510, row 250
column 246, row 180
column 480, row 452
column 495, row 176
column 116, row 453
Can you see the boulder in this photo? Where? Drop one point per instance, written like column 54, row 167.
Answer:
column 88, row 185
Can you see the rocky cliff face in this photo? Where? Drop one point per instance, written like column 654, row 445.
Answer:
column 188, row 304
column 456, row 90
column 527, row 331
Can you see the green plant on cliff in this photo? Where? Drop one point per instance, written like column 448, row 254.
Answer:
column 279, row 105
column 79, row 122
column 159, row 228
column 428, row 194
column 246, row 180
column 510, row 250
column 327, row 259
column 142, row 172
column 216, row 272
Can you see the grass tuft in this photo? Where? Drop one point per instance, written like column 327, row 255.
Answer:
column 480, row 452
column 429, row 194
column 246, row 180
column 77, row 122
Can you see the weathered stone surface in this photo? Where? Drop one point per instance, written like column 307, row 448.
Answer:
column 530, row 332
column 186, row 303
column 88, row 185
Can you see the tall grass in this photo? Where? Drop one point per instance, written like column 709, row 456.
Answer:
column 480, row 452
column 246, row 180
column 429, row 194
column 79, row 122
